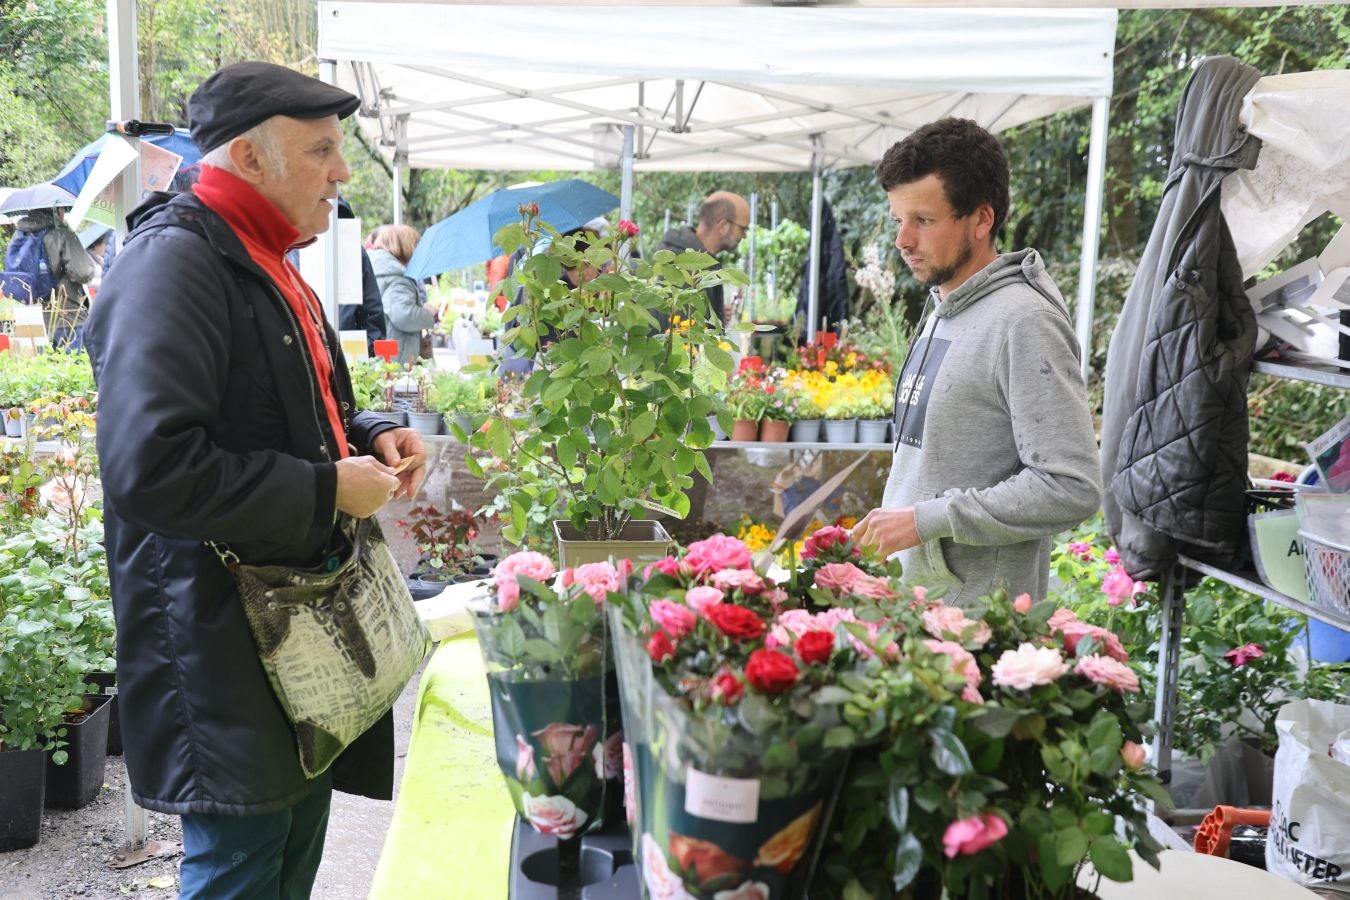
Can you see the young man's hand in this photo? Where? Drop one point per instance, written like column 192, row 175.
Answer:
column 887, row 530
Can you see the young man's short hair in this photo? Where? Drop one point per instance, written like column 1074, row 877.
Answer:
column 969, row 160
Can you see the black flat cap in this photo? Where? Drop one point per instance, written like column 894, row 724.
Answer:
column 239, row 96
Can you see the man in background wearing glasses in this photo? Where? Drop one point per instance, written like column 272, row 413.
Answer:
column 723, row 221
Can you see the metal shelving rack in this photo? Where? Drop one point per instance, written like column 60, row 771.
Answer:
column 1173, row 589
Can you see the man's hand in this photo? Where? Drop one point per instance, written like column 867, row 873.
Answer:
column 364, row 484
column 393, row 446
column 887, row 530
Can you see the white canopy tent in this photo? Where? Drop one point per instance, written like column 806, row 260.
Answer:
column 716, row 88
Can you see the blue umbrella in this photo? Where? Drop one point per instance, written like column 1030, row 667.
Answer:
column 39, row 196
column 466, row 237
column 76, row 172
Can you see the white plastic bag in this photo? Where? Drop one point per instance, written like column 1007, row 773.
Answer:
column 1309, row 838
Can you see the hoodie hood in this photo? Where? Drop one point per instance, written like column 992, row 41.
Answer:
column 1019, row 267
column 385, row 264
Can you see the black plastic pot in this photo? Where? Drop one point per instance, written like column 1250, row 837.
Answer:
column 107, row 684
column 21, row 792
column 76, row 783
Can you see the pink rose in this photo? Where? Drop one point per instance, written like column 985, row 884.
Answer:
column 873, row 588
column 776, row 598
column 920, row 593
column 662, row 884
column 964, row 664
column 553, row 815
column 627, row 229
column 565, row 747
column 668, row 566
column 792, row 623
column 1023, row 604
column 1240, row 656
column 1112, row 557
column 1133, row 755
column 747, row 581
column 717, row 553
column 700, row 598
column 824, row 539
column 1028, row 666
column 596, row 579
column 524, row 759
column 675, row 618
column 1074, row 632
column 629, row 785
column 967, row 836
column 1118, row 586
column 1081, row 550
column 947, row 622
column 838, row 577
column 526, row 562
column 1060, row 617
column 1108, row 672
column 508, row 595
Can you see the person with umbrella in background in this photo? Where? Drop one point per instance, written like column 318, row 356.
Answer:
column 49, row 257
column 405, row 316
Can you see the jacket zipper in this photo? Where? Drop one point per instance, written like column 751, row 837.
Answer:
column 309, row 367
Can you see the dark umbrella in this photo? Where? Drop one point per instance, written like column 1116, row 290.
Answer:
column 466, row 237
column 39, row 196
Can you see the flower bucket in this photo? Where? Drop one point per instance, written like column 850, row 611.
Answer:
column 806, row 431
column 641, row 540
column 714, row 809
column 13, row 421
column 428, row 423
column 841, row 431
column 873, row 431
column 773, row 430
column 745, row 430
column 555, row 714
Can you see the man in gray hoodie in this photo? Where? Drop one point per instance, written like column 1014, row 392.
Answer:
column 996, row 452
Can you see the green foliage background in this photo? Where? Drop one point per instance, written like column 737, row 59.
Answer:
column 54, row 97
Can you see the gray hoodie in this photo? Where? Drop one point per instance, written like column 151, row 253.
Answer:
column 996, row 451
column 405, row 317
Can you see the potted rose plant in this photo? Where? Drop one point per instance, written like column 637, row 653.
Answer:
column 554, row 699
column 447, row 548
column 615, row 414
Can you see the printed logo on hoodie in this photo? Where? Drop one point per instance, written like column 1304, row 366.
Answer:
column 915, row 386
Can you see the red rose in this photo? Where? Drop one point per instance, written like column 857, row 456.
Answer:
column 736, row 622
column 815, row 647
column 659, row 647
column 770, row 672
column 727, row 688
column 628, row 229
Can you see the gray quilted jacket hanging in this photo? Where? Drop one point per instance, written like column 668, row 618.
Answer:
column 1174, row 426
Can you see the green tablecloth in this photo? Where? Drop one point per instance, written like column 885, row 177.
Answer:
column 451, row 832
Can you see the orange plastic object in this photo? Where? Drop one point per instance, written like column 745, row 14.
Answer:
column 1216, row 829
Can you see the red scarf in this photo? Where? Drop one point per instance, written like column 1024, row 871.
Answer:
column 267, row 237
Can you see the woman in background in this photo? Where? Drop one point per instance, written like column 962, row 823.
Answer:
column 405, row 317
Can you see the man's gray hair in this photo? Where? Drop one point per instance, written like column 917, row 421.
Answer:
column 264, row 136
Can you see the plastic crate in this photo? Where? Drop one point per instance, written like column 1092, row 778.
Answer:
column 1327, row 566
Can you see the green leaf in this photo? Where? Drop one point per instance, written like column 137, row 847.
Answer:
column 780, row 757
column 756, row 714
column 897, row 808
column 643, row 426
column 567, row 452
column 996, row 721
column 720, row 358
column 949, row 754
column 839, row 737
column 928, row 796
column 1111, row 859
column 541, row 650
column 908, row 859
column 1070, row 846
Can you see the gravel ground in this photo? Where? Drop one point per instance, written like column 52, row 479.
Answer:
column 71, row 860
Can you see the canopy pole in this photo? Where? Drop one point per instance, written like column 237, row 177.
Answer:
column 124, row 103
column 400, row 163
column 1092, row 220
column 328, row 295
column 626, row 175
column 813, row 275
column 751, row 290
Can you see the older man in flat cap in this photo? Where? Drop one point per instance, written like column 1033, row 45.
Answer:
column 226, row 415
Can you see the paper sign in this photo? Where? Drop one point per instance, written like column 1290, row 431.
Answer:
column 115, row 156
column 1279, row 552
column 721, row 799
column 158, row 166
column 353, row 345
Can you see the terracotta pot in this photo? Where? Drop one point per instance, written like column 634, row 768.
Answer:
column 773, row 430
column 745, row 430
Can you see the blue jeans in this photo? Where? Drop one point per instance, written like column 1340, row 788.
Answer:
column 267, row 857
